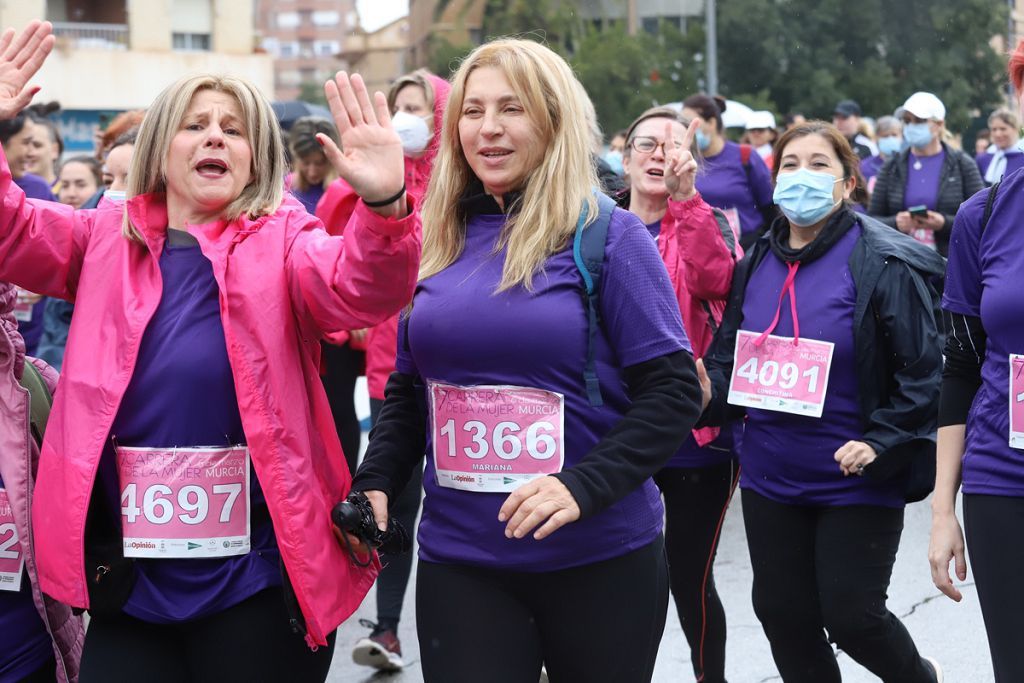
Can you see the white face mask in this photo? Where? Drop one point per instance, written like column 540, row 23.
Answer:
column 413, row 130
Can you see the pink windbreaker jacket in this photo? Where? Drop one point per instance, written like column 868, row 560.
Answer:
column 18, row 458
column 700, row 266
column 336, row 206
column 284, row 283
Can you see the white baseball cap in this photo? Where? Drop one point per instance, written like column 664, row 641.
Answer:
column 925, row 105
column 760, row 119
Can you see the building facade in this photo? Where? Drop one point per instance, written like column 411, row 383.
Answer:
column 114, row 55
column 305, row 38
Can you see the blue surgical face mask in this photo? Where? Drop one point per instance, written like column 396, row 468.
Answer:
column 703, row 141
column 613, row 158
column 890, row 145
column 805, row 196
column 917, row 134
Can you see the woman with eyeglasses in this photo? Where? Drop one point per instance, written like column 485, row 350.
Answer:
column 699, row 251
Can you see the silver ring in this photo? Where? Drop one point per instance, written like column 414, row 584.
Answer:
column 860, row 468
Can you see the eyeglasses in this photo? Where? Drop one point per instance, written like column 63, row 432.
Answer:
column 646, row 145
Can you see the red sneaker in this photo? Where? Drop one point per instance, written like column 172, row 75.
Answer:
column 381, row 649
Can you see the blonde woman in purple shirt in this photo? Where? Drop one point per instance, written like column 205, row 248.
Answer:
column 540, row 539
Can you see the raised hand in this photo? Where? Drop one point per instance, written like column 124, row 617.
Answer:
column 680, row 166
column 21, row 55
column 371, row 158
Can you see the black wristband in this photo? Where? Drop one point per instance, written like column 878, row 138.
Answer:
column 384, row 202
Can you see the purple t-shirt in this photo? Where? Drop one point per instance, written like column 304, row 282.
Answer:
column 721, row 449
column 182, row 393
column 27, row 645
column 461, row 332
column 724, row 183
column 35, row 187
column 310, row 197
column 789, row 458
column 870, row 167
column 983, row 280
column 923, row 183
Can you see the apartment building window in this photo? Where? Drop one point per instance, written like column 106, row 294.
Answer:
column 191, row 41
column 288, row 20
column 289, row 49
column 326, row 48
column 326, row 18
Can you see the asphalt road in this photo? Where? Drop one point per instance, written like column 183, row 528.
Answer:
column 951, row 632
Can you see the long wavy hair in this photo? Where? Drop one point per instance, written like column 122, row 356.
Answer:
column 552, row 194
column 148, row 170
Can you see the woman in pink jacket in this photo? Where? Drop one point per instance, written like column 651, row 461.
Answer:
column 190, row 463
column 699, row 249
column 42, row 638
column 417, row 102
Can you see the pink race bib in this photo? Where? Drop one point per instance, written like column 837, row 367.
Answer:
column 12, row 561
column 779, row 375
column 184, row 502
column 925, row 237
column 23, row 307
column 1016, row 401
column 494, row 438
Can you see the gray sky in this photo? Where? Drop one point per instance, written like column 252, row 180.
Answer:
column 377, row 13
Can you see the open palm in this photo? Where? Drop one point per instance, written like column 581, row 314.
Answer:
column 371, row 158
column 21, row 55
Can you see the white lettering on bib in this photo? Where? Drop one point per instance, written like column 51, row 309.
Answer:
column 12, row 560
column 495, row 438
column 780, row 375
column 184, row 502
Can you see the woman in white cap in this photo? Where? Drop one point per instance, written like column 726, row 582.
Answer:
column 919, row 190
column 761, row 134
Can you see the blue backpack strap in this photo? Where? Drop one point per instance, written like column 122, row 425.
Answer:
column 588, row 253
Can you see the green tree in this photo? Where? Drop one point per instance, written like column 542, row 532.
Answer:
column 806, row 55
column 624, row 75
column 312, row 92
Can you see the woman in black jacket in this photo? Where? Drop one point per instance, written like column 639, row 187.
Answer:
column 835, row 421
column 919, row 190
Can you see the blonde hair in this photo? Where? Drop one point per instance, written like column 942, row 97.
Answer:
column 420, row 77
column 553, row 193
column 148, row 170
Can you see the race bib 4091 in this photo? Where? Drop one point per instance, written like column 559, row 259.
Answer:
column 780, row 375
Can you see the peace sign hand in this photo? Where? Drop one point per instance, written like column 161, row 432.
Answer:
column 21, row 55
column 680, row 166
column 371, row 158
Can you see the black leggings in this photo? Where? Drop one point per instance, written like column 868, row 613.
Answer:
column 344, row 365
column 993, row 526
column 250, row 641
column 599, row 623
column 394, row 576
column 695, row 504
column 828, row 568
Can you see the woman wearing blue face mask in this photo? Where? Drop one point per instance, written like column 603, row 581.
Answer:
column 919, row 190
column 733, row 177
column 889, row 138
column 829, row 348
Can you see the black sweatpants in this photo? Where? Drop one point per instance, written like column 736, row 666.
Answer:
column 343, row 366
column 819, row 569
column 251, row 641
column 599, row 623
column 696, row 500
column 393, row 579
column 993, row 527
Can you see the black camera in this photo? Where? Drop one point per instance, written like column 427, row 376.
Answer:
column 355, row 515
